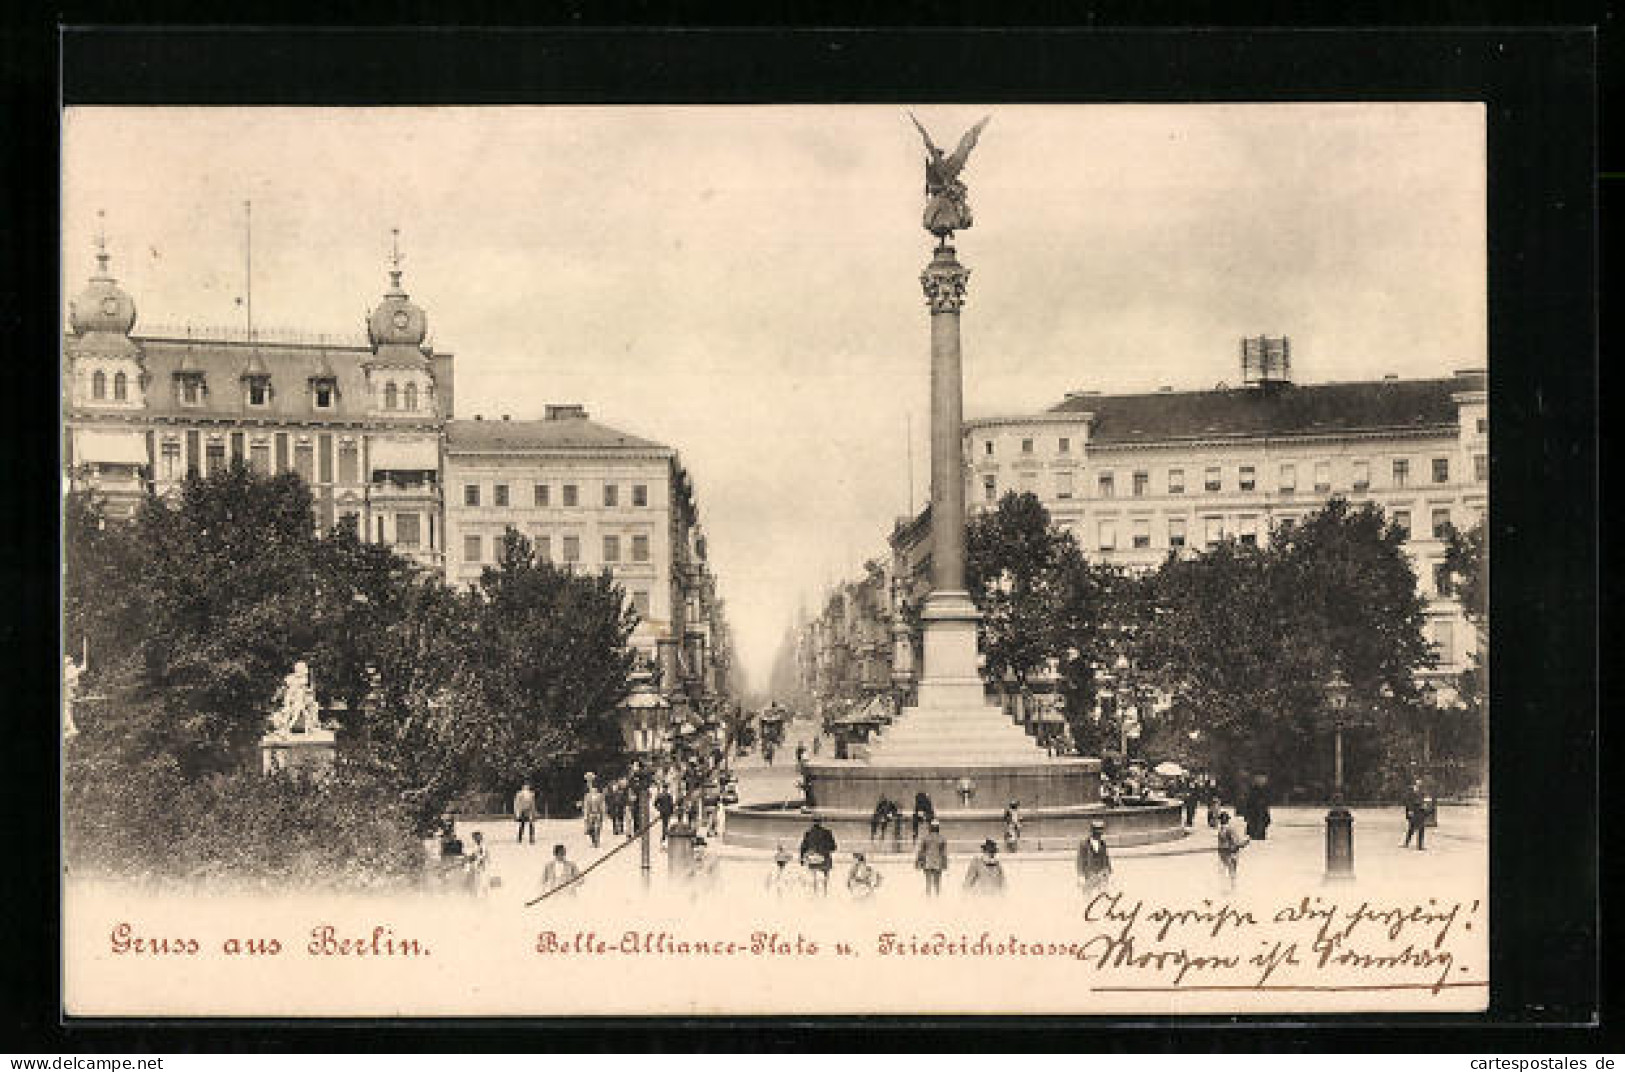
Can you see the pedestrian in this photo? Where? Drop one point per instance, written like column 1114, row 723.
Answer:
column 664, row 805
column 615, row 801
column 1256, row 810
column 1012, row 825
column 932, row 858
column 818, row 744
column 966, row 789
column 1094, row 862
column 1230, row 846
column 863, row 880
column 985, row 878
column 781, row 881
column 884, row 810
column 1211, row 789
column 924, row 813
column 767, row 752
column 478, row 861
column 703, row 876
column 1191, row 794
column 818, row 854
column 560, row 873
column 524, row 812
column 1416, row 817
column 592, row 812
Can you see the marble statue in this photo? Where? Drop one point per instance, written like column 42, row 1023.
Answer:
column 296, row 711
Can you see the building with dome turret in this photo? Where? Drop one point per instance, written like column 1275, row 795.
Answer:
column 360, row 422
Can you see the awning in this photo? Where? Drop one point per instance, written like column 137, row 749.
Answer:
column 397, row 455
column 105, row 447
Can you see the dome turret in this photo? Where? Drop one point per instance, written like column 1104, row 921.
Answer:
column 397, row 321
column 103, row 306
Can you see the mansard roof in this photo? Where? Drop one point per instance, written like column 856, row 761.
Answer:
column 563, row 433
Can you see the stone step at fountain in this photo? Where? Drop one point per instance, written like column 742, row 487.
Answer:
column 954, row 734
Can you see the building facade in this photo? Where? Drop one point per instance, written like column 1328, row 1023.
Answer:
column 369, row 425
column 1137, row 476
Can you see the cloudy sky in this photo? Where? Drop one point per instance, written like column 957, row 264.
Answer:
column 742, row 283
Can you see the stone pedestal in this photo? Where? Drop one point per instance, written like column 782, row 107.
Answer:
column 311, row 752
column 1339, row 845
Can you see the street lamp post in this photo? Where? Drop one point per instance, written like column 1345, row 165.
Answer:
column 1339, row 822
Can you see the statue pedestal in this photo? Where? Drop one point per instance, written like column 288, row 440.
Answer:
column 310, row 752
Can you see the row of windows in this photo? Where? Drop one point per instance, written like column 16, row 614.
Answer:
column 1247, row 478
column 1247, row 529
column 192, row 389
column 1063, row 444
column 316, row 459
column 542, row 495
column 121, row 386
column 474, row 547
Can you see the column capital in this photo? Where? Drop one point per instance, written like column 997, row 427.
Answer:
column 944, row 282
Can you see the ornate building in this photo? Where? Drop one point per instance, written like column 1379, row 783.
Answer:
column 360, row 423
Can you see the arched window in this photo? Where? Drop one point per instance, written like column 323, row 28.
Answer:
column 411, row 396
column 389, row 395
column 98, row 385
column 121, row 387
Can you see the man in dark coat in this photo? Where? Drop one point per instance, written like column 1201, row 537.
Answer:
column 1094, row 862
column 1416, row 817
column 884, row 810
column 924, row 813
column 1256, row 810
column 664, row 806
column 932, row 858
column 615, row 801
column 818, row 854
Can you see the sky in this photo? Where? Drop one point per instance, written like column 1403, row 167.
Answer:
column 742, row 283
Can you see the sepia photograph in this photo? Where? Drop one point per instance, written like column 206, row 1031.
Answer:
column 722, row 560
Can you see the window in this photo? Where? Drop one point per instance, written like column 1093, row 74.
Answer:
column 1176, row 532
column 612, row 495
column 570, row 495
column 471, row 494
column 1211, row 478
column 1289, row 477
column 121, row 387
column 407, row 530
column 1213, row 530
column 1176, row 482
column 1483, row 425
column 572, row 549
column 1247, row 531
column 1323, row 476
column 410, row 396
column 1481, row 467
column 98, row 385
column 192, row 390
column 303, row 463
column 1108, row 535
column 350, row 521
column 1441, row 470
column 640, row 495
column 1362, row 476
column 987, row 447
column 1142, row 482
column 1441, row 579
column 1402, row 521
column 499, row 495
column 541, row 494
column 544, row 548
column 380, row 518
column 471, row 549
column 259, row 457
column 1026, row 446
column 1106, row 485
column 322, row 394
column 390, row 399
column 169, row 460
column 640, row 549
column 612, row 548
column 1247, row 478
column 990, row 489
column 640, row 603
column 1402, row 472
column 1142, row 533
column 349, row 462
column 1444, row 638
column 259, row 391
column 1064, row 445
column 324, row 457
column 1441, row 522
column 1063, row 485
column 215, row 458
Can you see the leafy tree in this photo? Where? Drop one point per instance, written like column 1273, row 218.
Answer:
column 1461, row 734
column 1014, row 562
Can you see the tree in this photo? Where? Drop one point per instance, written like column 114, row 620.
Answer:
column 546, row 665
column 1461, row 733
column 1014, row 559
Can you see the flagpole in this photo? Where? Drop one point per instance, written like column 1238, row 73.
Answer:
column 248, row 265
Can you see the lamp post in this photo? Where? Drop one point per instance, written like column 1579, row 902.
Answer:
column 1339, row 823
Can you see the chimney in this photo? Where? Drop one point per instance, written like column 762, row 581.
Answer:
column 570, row 411
column 1390, row 377
column 1266, row 361
column 504, row 416
column 1165, row 390
column 478, row 417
